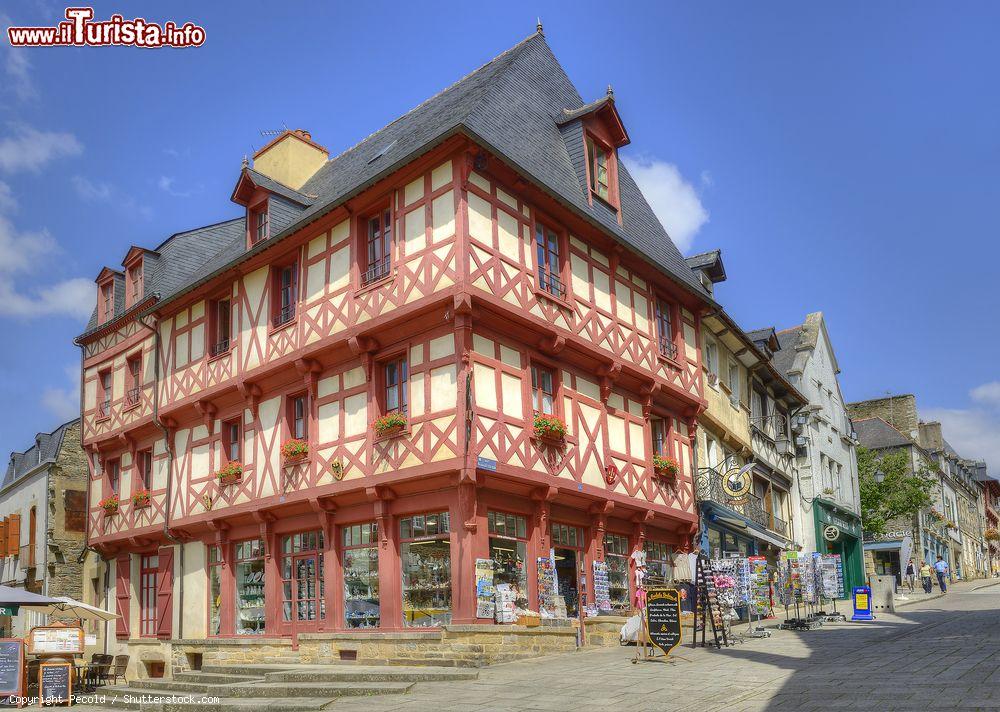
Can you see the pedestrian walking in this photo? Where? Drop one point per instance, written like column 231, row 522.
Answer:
column 911, row 575
column 941, row 568
column 925, row 576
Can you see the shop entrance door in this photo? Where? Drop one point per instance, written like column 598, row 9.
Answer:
column 302, row 583
column 566, row 580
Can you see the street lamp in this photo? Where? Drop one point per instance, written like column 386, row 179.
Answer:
column 879, row 476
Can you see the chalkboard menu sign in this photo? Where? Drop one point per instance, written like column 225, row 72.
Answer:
column 55, row 683
column 663, row 618
column 11, row 666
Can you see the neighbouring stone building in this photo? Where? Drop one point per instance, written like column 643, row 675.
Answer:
column 42, row 520
column 830, row 507
column 955, row 525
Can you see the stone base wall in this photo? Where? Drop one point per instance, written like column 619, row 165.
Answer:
column 227, row 652
column 458, row 645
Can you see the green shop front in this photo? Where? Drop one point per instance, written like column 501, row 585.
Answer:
column 838, row 531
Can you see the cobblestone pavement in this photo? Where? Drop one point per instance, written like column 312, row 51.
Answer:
column 939, row 654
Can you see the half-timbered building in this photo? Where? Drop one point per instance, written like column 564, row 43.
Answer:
column 465, row 339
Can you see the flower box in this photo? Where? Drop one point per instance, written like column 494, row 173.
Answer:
column 230, row 474
column 140, row 499
column 390, row 425
column 665, row 467
column 109, row 504
column 550, row 430
column 992, row 534
column 294, row 450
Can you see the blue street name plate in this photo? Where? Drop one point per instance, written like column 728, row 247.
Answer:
column 484, row 463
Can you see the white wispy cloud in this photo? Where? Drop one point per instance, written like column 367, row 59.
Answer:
column 23, row 251
column 17, row 67
column 168, row 186
column 675, row 201
column 8, row 203
column 92, row 191
column 64, row 403
column 974, row 432
column 28, row 149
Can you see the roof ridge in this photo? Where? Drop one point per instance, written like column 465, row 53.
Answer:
column 434, row 96
column 196, row 229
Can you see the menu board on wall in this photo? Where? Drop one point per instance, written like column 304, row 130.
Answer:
column 55, row 639
column 11, row 666
column 55, row 683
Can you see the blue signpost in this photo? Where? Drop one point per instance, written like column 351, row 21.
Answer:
column 862, row 604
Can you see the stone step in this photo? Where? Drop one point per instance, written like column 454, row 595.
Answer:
column 371, row 673
column 216, row 678
column 185, row 687
column 124, row 698
column 318, row 689
column 255, row 669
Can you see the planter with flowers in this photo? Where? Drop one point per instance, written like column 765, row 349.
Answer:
column 109, row 504
column 936, row 515
column 294, row 451
column 550, row 429
column 230, row 474
column 389, row 425
column 992, row 534
column 140, row 499
column 950, row 525
column 665, row 467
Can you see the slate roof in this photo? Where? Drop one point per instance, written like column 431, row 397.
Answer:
column 274, row 186
column 877, row 434
column 788, row 339
column 45, row 449
column 511, row 106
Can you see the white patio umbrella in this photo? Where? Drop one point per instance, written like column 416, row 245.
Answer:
column 72, row 608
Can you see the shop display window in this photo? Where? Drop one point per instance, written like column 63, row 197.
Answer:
column 616, row 553
column 508, row 550
column 249, row 571
column 214, row 590
column 360, row 563
column 302, row 586
column 659, row 560
column 425, row 557
column 568, row 543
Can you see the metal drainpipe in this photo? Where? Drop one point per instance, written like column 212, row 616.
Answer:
column 170, row 467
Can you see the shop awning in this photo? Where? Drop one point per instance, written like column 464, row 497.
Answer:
column 883, row 545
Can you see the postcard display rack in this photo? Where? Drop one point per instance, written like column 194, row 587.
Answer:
column 707, row 612
column 831, row 584
column 758, row 595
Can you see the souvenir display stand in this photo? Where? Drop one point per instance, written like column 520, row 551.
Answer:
column 797, row 588
column 707, row 611
column 832, row 584
column 758, row 594
column 728, row 594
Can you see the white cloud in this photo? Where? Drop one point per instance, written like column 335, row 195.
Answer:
column 973, row 432
column 987, row 394
column 8, row 203
column 72, row 297
column 23, row 251
column 100, row 192
column 29, row 149
column 674, row 200
column 167, row 185
column 17, row 68
column 64, row 403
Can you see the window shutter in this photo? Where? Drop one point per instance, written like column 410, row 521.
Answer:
column 13, row 534
column 123, row 596
column 3, row 538
column 165, row 593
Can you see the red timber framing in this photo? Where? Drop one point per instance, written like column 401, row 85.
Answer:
column 463, row 305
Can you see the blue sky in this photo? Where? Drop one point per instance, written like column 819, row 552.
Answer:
column 845, row 157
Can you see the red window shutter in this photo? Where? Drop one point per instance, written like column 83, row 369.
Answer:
column 165, row 593
column 123, row 596
column 13, row 534
column 3, row 537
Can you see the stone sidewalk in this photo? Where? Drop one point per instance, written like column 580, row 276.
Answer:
column 940, row 653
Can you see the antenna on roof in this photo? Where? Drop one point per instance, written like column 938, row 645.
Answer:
column 538, row 27
column 272, row 132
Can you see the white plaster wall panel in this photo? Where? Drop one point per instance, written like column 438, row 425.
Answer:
column 353, row 378
column 507, row 233
column 418, row 405
column 327, row 386
column 329, row 422
column 484, row 346
column 253, row 285
column 484, row 382
column 441, row 175
column 513, row 403
column 413, row 191
column 316, row 246
column 477, row 180
column 355, row 414
column 443, row 216
column 480, row 219
column 602, row 290
column 415, row 231
column 340, row 268
column 442, row 346
column 197, row 342
column 315, row 281
column 444, row 388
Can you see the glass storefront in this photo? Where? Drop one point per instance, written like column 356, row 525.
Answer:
column 659, row 560
column 508, row 550
column 616, row 553
column 722, row 543
column 360, row 571
column 249, row 571
column 425, row 556
column 568, row 543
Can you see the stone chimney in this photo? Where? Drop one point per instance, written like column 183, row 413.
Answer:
column 292, row 158
column 930, row 436
column 898, row 411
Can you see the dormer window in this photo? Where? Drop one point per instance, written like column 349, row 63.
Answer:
column 259, row 224
column 135, row 284
column 603, row 171
column 108, row 301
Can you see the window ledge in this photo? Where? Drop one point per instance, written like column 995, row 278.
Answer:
column 605, row 201
column 102, row 418
column 131, row 406
column 668, row 360
column 281, row 327
column 376, row 284
column 559, row 301
column 228, row 351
